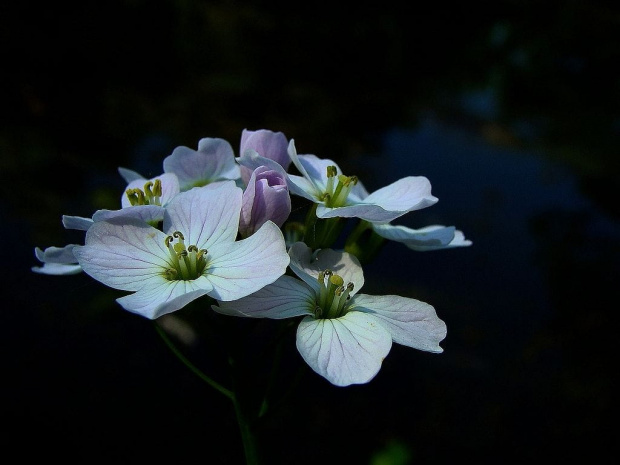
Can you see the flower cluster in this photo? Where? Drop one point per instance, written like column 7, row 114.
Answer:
column 218, row 225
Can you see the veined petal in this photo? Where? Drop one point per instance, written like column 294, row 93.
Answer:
column 285, row 298
column 164, row 297
column 76, row 222
column 410, row 322
column 205, row 215
column 124, row 253
column 213, row 161
column 346, row 350
column 432, row 237
column 237, row 269
column 307, row 265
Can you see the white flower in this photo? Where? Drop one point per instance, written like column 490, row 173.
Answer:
column 338, row 195
column 344, row 336
column 196, row 255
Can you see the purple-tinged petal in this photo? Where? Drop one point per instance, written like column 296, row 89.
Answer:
column 205, row 215
column 346, row 350
column 265, row 198
column 433, row 237
column 287, row 297
column 164, row 297
column 410, row 322
column 125, row 254
column 307, row 265
column 237, row 269
column 213, row 161
column 267, row 144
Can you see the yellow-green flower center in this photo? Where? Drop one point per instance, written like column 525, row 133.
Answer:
column 337, row 188
column 186, row 264
column 333, row 295
column 150, row 195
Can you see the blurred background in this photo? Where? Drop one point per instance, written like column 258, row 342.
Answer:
column 510, row 108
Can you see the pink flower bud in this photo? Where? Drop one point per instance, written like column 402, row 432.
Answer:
column 266, row 197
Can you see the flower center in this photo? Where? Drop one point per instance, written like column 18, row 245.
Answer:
column 186, row 263
column 333, row 295
column 150, row 195
column 337, row 188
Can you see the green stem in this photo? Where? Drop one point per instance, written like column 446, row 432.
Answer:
column 193, row 367
column 250, row 446
column 247, row 436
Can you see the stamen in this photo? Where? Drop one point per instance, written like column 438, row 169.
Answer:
column 151, row 195
column 187, row 263
column 337, row 188
column 332, row 296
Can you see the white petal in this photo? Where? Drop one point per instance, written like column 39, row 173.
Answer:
column 240, row 268
column 76, row 222
column 205, row 215
column 148, row 213
column 165, row 297
column 410, row 322
column 315, row 169
column 346, row 350
column 57, row 269
column 285, row 298
column 363, row 211
column 300, row 186
column 129, row 175
column 63, row 255
column 124, row 254
column 307, row 265
column 432, row 237
column 406, row 194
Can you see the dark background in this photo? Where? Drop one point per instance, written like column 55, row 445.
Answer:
column 510, row 108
